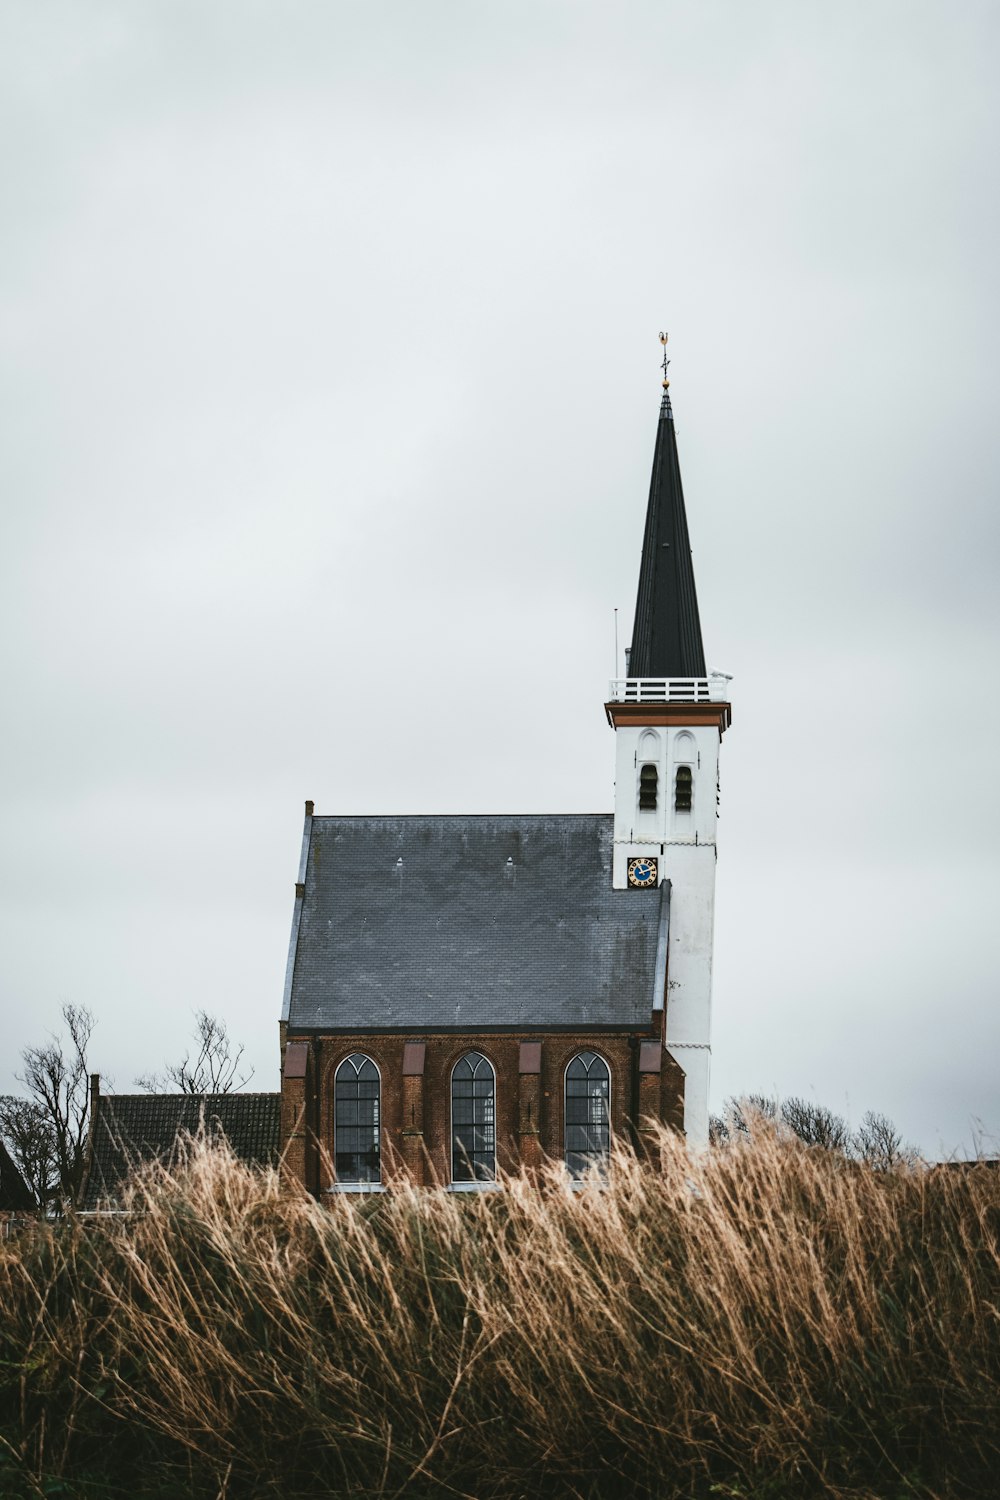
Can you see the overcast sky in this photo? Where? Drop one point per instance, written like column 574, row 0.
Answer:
column 329, row 383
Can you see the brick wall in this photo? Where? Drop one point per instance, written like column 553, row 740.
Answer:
column 416, row 1096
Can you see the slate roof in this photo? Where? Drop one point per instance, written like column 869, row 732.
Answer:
column 134, row 1128
column 15, row 1195
column 666, row 635
column 459, row 923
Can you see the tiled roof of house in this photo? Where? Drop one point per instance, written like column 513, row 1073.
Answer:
column 134, row 1128
column 15, row 1196
column 429, row 923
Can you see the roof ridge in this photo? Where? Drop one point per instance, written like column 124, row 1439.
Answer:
column 398, row 817
column 228, row 1094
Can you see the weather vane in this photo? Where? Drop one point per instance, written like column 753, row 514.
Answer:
column 666, row 363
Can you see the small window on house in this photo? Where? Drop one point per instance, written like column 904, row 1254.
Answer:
column 588, row 1125
column 473, row 1120
column 682, row 789
column 648, row 782
column 356, row 1126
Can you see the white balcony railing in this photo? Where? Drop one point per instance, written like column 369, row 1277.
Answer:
column 711, row 689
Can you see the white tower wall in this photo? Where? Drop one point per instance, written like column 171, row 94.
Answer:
column 684, row 843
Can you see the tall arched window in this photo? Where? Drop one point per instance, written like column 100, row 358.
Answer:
column 647, row 760
column 473, row 1120
column 356, row 1091
column 588, row 1104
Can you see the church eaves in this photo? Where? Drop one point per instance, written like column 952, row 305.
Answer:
column 666, row 635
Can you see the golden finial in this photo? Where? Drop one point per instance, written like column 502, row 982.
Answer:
column 666, row 363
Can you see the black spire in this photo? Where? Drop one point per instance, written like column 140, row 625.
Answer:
column 666, row 635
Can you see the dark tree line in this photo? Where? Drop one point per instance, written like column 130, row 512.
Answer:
column 876, row 1141
column 45, row 1128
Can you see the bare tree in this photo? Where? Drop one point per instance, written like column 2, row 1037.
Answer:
column 816, row 1125
column 878, row 1142
column 750, row 1111
column 30, row 1138
column 214, row 1067
column 56, row 1077
column 740, row 1117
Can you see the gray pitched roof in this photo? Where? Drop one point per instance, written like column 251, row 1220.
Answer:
column 134, row 1128
column 410, row 923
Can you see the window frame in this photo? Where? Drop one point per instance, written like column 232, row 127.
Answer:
column 359, row 1184
column 597, row 1163
column 474, row 1183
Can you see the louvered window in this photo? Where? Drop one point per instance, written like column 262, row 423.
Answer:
column 682, row 789
column 473, row 1120
column 649, row 779
column 588, row 1124
column 356, row 1125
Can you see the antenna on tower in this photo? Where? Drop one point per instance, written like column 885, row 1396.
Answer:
column 615, row 672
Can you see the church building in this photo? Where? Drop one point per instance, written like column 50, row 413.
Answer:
column 470, row 993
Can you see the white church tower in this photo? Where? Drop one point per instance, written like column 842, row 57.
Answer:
column 669, row 716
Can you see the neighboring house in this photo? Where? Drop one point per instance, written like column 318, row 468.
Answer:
column 127, row 1130
column 17, row 1201
column 468, row 993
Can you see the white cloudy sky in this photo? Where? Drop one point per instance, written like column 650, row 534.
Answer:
column 328, row 358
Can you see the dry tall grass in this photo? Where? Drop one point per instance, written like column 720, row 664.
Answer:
column 766, row 1321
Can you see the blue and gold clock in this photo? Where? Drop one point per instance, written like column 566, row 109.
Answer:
column 642, row 872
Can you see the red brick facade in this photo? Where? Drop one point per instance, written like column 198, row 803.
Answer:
column 416, row 1096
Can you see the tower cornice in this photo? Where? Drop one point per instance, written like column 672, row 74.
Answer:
column 683, row 715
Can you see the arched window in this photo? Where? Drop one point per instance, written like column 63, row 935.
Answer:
column 649, row 745
column 682, row 789
column 648, row 783
column 685, row 748
column 588, row 1104
column 473, row 1120
column 356, row 1091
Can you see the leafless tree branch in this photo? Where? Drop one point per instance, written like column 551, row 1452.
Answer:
column 214, row 1067
column 55, row 1075
column 29, row 1136
column 878, row 1142
column 815, row 1124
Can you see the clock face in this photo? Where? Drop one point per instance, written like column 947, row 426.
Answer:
column 642, row 872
